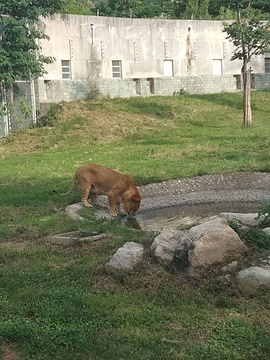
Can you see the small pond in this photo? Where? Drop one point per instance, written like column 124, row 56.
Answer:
column 185, row 215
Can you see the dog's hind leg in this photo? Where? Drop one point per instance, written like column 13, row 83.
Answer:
column 85, row 185
column 93, row 198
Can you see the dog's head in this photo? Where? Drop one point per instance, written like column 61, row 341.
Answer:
column 132, row 203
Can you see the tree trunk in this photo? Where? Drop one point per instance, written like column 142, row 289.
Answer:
column 246, row 75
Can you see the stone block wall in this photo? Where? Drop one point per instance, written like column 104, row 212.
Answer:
column 261, row 81
column 195, row 84
column 57, row 90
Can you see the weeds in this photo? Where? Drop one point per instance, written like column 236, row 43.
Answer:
column 50, row 118
column 264, row 214
column 256, row 238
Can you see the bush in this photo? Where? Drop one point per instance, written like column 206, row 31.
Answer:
column 256, row 238
column 51, row 116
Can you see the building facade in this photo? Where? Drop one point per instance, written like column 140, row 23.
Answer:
column 120, row 57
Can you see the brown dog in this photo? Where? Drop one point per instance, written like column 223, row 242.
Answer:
column 97, row 180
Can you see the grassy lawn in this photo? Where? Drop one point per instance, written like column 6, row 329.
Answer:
column 60, row 302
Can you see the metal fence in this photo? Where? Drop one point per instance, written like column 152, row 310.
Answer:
column 17, row 107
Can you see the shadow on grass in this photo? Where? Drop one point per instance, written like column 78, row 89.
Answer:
column 30, row 209
column 36, row 192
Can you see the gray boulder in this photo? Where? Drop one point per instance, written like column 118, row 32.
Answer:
column 267, row 230
column 169, row 245
column 127, row 257
column 253, row 279
column 214, row 242
column 72, row 210
column 250, row 219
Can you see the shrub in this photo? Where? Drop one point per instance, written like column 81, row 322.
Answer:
column 51, row 116
column 265, row 213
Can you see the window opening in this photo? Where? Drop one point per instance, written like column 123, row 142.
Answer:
column 116, row 69
column 217, row 67
column 168, row 68
column 267, row 64
column 65, row 69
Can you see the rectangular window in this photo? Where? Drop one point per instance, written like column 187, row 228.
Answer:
column 168, row 68
column 217, row 67
column 267, row 64
column 116, row 69
column 65, row 69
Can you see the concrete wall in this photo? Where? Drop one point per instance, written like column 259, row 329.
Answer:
column 195, row 49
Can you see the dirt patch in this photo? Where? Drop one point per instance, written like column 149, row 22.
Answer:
column 8, row 352
column 14, row 244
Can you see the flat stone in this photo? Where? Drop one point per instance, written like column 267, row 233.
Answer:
column 72, row 237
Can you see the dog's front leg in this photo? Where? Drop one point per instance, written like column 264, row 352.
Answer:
column 118, row 208
column 112, row 199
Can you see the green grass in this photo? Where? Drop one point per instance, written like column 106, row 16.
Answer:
column 60, row 302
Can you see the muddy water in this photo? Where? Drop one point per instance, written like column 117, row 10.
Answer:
column 178, row 216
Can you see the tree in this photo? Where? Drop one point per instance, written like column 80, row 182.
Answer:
column 20, row 32
column 78, row 7
column 136, row 8
column 197, row 9
column 218, row 9
column 250, row 37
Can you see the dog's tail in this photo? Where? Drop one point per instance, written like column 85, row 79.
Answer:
column 72, row 187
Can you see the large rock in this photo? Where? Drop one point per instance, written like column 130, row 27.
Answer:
column 171, row 244
column 254, row 279
column 213, row 243
column 126, row 257
column 250, row 219
column 267, row 230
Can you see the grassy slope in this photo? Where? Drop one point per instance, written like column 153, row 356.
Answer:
column 59, row 303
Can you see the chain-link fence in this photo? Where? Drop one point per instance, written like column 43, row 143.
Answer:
column 18, row 108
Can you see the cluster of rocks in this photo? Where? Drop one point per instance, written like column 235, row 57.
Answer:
column 211, row 244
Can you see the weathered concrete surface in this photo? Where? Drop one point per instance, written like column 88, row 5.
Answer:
column 207, row 189
column 72, row 237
